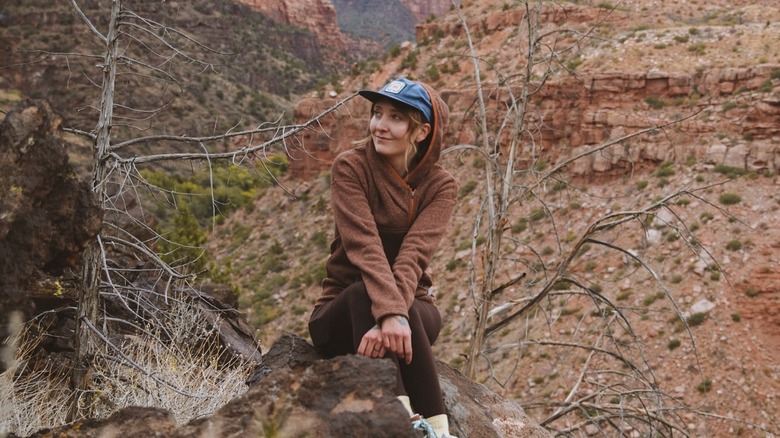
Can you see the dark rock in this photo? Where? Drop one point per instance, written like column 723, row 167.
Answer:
column 47, row 215
column 132, row 422
column 296, row 393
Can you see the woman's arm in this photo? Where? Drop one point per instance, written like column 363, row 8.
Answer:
column 360, row 237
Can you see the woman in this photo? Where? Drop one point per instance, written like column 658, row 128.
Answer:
column 391, row 204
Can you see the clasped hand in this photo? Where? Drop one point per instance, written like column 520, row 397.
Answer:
column 391, row 334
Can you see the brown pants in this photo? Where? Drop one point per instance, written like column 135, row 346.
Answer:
column 337, row 328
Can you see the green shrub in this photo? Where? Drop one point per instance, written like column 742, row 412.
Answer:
column 734, row 245
column 698, row 49
column 705, row 386
column 696, row 319
column 654, row 102
column 766, row 87
column 665, row 170
column 538, row 215
column 433, row 73
column 729, row 199
column 681, row 39
column 735, row 317
column 467, row 188
column 650, row 299
column 731, row 172
column 674, row 343
column 520, row 226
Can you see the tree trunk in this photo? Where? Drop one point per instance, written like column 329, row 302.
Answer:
column 89, row 292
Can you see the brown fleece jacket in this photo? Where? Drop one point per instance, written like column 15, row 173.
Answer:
column 388, row 227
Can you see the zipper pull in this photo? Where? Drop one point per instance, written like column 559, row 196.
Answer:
column 411, row 206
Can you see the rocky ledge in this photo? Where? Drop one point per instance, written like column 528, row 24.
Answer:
column 296, row 393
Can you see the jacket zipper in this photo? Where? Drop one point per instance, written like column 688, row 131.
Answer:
column 411, row 206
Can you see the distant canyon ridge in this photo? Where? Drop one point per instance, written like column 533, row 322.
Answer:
column 346, row 24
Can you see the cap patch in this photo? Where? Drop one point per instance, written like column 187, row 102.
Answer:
column 395, row 87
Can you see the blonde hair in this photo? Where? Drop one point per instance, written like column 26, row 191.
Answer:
column 416, row 121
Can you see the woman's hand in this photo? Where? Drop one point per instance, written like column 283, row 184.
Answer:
column 397, row 337
column 371, row 345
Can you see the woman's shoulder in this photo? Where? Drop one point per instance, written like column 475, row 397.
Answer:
column 350, row 163
column 354, row 155
column 442, row 175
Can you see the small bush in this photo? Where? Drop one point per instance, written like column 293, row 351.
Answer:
column 735, row 317
column 696, row 319
column 731, row 172
column 538, row 215
column 729, row 199
column 665, row 170
column 654, row 102
column 751, row 292
column 520, row 226
column 734, row 245
column 467, row 188
column 698, row 49
column 674, row 343
column 705, row 386
column 650, row 299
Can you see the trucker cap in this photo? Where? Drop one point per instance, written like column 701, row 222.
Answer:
column 407, row 92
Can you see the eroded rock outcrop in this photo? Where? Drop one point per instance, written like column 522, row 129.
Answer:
column 318, row 17
column 595, row 109
column 46, row 214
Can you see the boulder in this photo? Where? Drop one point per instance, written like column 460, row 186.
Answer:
column 296, row 393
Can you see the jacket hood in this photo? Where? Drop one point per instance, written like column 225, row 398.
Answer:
column 430, row 148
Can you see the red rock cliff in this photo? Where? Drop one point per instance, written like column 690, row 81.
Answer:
column 581, row 114
column 318, row 16
column 422, row 9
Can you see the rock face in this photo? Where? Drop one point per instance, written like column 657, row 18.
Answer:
column 423, row 9
column 319, row 16
column 295, row 393
column 46, row 214
column 596, row 109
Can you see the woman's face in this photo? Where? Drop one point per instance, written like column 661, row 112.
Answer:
column 389, row 127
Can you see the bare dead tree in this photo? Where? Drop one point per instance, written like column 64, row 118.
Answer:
column 116, row 175
column 616, row 388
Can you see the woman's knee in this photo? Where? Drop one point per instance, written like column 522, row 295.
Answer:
column 356, row 293
column 425, row 317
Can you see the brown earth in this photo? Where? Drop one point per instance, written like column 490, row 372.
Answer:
column 716, row 59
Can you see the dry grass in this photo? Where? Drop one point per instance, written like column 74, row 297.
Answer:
column 190, row 375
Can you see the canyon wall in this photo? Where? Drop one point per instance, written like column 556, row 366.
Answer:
column 729, row 118
column 423, row 9
column 318, row 16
